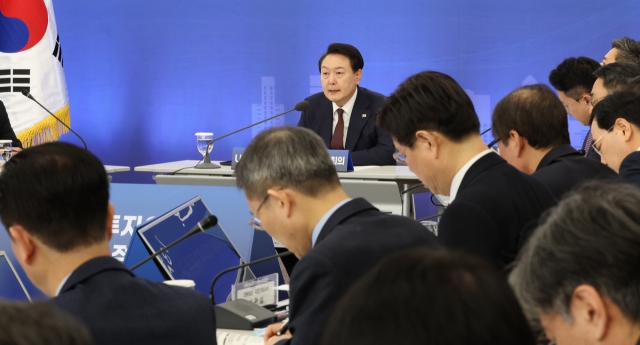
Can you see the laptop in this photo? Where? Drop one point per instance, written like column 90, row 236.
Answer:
column 11, row 286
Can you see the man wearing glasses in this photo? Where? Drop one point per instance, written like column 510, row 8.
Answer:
column 294, row 193
column 610, row 78
column 433, row 124
column 534, row 130
column 616, row 127
column 573, row 79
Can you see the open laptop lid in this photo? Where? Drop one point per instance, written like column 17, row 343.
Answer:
column 11, row 286
column 199, row 257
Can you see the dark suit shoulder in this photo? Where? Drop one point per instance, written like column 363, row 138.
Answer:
column 630, row 168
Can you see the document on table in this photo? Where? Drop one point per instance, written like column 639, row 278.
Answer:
column 225, row 338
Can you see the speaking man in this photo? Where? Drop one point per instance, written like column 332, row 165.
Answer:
column 293, row 191
column 54, row 202
column 435, row 128
column 532, row 126
column 344, row 114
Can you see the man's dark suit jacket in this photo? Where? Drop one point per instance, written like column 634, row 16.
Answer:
column 6, row 131
column 351, row 242
column 368, row 143
column 630, row 168
column 591, row 153
column 495, row 206
column 119, row 308
column 563, row 167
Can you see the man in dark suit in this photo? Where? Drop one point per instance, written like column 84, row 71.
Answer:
column 54, row 202
column 437, row 132
column 294, row 193
column 616, row 125
column 534, row 137
column 6, row 131
column 343, row 115
column 573, row 79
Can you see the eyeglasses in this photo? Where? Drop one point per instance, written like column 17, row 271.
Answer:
column 566, row 107
column 254, row 222
column 602, row 136
column 594, row 101
column 401, row 159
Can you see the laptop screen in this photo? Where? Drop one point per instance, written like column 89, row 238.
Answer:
column 199, row 257
column 11, row 286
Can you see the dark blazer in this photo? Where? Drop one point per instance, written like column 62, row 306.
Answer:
column 119, row 308
column 563, row 167
column 495, row 206
column 6, row 131
column 590, row 152
column 352, row 241
column 630, row 168
column 368, row 143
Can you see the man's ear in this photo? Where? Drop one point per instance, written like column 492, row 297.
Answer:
column 110, row 212
column 517, row 141
column 589, row 311
column 431, row 140
column 625, row 128
column 358, row 76
column 24, row 245
column 283, row 200
column 584, row 98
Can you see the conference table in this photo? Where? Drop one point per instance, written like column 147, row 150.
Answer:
column 379, row 184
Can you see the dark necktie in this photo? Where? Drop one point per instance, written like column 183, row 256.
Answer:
column 338, row 133
column 587, row 143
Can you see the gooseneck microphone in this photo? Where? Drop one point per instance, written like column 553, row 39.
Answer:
column 215, row 279
column 27, row 94
column 206, row 223
column 206, row 163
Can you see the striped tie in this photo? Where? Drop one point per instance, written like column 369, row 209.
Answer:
column 587, row 143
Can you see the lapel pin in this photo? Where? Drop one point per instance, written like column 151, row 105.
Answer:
column 364, row 115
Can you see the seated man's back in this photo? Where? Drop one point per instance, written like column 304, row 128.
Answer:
column 119, row 308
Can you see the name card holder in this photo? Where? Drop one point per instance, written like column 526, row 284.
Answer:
column 235, row 157
column 342, row 160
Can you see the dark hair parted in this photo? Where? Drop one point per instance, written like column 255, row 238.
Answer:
column 536, row 113
column 357, row 62
column 621, row 104
column 286, row 157
column 430, row 101
column 628, row 50
column 39, row 323
column 574, row 76
column 615, row 76
column 591, row 237
column 419, row 296
column 59, row 193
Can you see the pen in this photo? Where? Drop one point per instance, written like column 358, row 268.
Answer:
column 284, row 328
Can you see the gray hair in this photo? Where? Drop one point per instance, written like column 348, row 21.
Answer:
column 615, row 76
column 286, row 157
column 592, row 237
column 628, row 50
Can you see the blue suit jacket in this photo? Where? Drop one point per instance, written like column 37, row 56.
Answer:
column 563, row 167
column 630, row 168
column 368, row 143
column 6, row 131
column 355, row 238
column 495, row 207
column 119, row 308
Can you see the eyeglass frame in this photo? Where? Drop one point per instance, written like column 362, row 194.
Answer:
column 594, row 101
column 255, row 222
column 566, row 107
column 593, row 145
column 400, row 158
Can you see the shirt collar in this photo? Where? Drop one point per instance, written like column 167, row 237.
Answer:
column 457, row 178
column 323, row 221
column 348, row 107
column 62, row 283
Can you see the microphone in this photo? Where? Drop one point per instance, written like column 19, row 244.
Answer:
column 215, row 279
column 206, row 163
column 206, row 223
column 27, row 94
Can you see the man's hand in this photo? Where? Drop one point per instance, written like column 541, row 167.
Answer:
column 270, row 336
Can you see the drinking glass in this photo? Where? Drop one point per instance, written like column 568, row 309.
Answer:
column 6, row 148
column 202, row 140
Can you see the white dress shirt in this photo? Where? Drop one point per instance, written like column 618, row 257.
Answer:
column 457, row 179
column 348, row 109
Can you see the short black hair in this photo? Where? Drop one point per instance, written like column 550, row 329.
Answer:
column 536, row 113
column 628, row 50
column 615, row 76
column 428, row 101
column 574, row 76
column 421, row 296
column 39, row 323
column 357, row 62
column 59, row 193
column 620, row 104
column 634, row 85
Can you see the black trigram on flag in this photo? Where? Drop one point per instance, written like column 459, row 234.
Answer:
column 57, row 51
column 14, row 80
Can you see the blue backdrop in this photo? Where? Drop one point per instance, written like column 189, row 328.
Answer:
column 144, row 76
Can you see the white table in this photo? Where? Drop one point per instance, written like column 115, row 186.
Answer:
column 116, row 168
column 381, row 176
